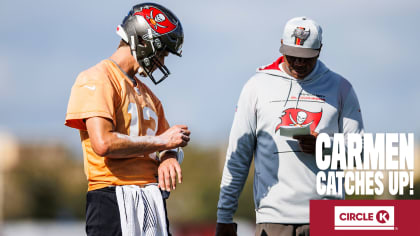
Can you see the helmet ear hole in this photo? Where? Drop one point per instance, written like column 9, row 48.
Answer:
column 141, row 41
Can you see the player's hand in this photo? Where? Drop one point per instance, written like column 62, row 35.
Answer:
column 168, row 170
column 226, row 229
column 307, row 142
column 176, row 136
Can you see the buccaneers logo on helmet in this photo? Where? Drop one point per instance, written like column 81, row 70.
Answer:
column 157, row 20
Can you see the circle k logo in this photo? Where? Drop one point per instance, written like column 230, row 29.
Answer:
column 382, row 216
column 364, row 217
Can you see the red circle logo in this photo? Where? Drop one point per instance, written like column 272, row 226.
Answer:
column 382, row 216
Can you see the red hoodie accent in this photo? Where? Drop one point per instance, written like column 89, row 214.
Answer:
column 274, row 65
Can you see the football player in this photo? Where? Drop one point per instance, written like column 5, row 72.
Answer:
column 130, row 152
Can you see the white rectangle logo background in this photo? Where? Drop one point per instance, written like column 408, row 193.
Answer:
column 364, row 224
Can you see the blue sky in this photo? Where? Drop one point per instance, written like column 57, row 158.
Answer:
column 45, row 44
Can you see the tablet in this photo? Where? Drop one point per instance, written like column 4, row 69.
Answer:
column 290, row 131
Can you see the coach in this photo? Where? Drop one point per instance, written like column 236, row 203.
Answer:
column 297, row 94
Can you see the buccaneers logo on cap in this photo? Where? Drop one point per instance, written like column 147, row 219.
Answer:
column 299, row 117
column 300, row 35
column 157, row 20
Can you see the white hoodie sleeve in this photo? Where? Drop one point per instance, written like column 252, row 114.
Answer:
column 351, row 116
column 350, row 121
column 239, row 154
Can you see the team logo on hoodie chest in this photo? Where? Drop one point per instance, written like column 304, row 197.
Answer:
column 299, row 117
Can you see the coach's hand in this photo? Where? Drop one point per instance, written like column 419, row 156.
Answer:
column 226, row 229
column 176, row 136
column 168, row 169
column 307, row 143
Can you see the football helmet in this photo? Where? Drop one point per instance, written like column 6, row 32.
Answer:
column 151, row 29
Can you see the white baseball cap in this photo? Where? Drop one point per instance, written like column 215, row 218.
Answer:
column 302, row 37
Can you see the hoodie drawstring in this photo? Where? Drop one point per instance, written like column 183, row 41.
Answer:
column 300, row 93
column 288, row 95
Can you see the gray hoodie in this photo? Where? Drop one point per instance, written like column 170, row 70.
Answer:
column 284, row 178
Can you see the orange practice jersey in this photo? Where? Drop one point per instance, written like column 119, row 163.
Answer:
column 106, row 91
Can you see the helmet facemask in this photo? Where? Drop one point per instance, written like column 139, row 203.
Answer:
column 155, row 62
